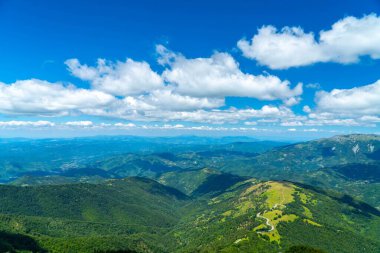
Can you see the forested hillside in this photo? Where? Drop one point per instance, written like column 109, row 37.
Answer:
column 142, row 215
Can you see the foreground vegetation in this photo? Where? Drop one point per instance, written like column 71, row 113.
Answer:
column 141, row 215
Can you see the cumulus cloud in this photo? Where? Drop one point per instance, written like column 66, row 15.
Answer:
column 187, row 90
column 168, row 100
column 231, row 115
column 346, row 41
column 363, row 100
column 37, row 97
column 367, row 118
column 250, row 123
column 334, row 122
column 311, row 130
column 120, row 78
column 292, row 123
column 219, row 76
column 20, row 123
column 213, row 116
column 84, row 123
column 124, row 125
column 306, row 109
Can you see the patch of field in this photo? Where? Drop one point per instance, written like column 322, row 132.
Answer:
column 274, row 236
column 307, row 212
column 312, row 222
column 271, row 215
column 276, row 216
column 304, row 198
column 288, row 218
column 279, row 194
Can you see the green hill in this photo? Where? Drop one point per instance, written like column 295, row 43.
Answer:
column 222, row 216
column 129, row 201
column 273, row 216
column 349, row 163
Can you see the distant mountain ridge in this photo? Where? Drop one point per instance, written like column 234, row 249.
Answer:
column 349, row 163
column 19, row 157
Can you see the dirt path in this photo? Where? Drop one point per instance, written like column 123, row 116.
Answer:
column 267, row 222
column 258, row 215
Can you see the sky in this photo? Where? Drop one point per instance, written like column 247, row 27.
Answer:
column 269, row 69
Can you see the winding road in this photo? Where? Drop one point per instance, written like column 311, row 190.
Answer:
column 258, row 215
column 268, row 223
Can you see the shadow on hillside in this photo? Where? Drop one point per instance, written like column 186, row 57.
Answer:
column 216, row 184
column 10, row 242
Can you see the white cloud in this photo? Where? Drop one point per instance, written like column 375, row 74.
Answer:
column 332, row 119
column 292, row 101
column 269, row 120
column 214, row 116
column 120, row 78
column 220, row 76
column 250, row 123
column 346, row 41
column 125, row 125
column 278, row 50
column 168, row 100
column 37, row 97
column 311, row 130
column 231, row 115
column 176, row 126
column 188, row 90
column 84, row 123
column 367, row 118
column 363, row 100
column 292, row 130
column 18, row 123
column 334, row 122
column 291, row 123
column 306, row 109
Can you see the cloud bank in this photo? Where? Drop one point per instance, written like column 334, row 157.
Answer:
column 187, row 89
column 345, row 42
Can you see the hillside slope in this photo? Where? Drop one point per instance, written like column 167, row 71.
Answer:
column 349, row 163
column 128, row 201
column 145, row 216
column 272, row 216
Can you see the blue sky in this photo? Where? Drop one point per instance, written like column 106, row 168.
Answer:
column 194, row 67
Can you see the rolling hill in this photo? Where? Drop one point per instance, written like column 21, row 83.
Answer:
column 349, row 163
column 142, row 215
